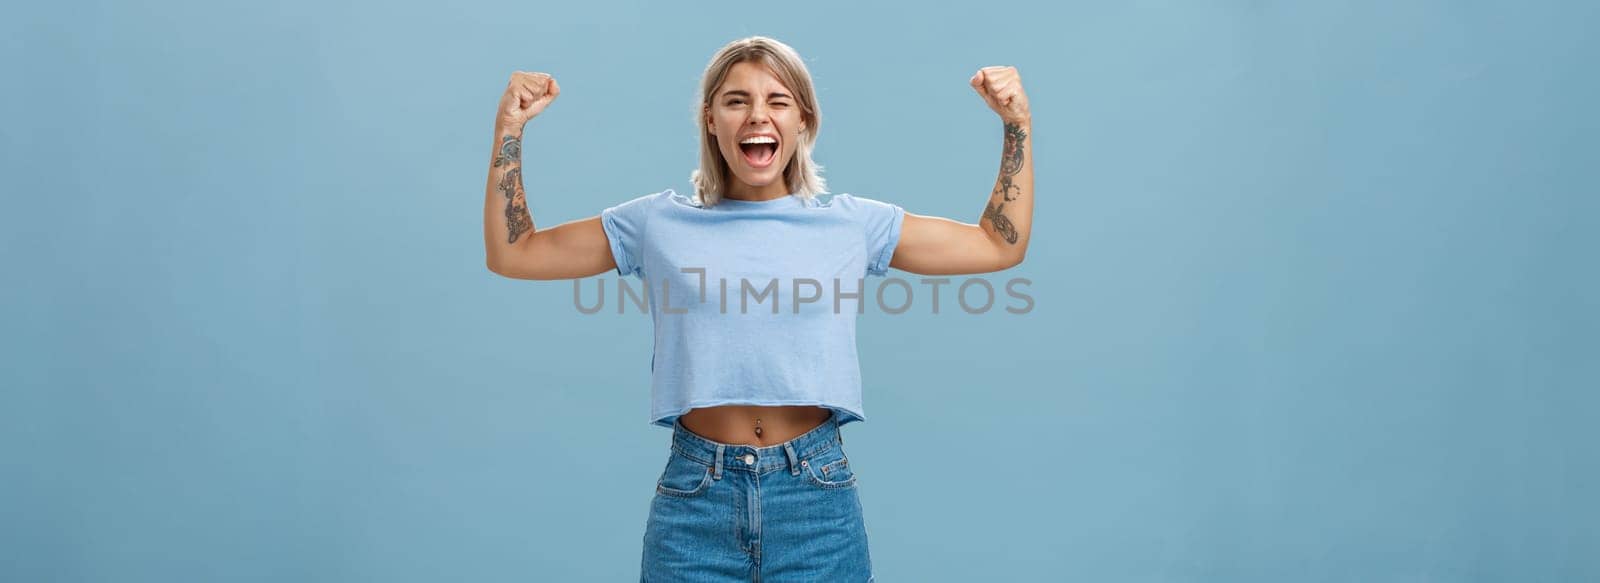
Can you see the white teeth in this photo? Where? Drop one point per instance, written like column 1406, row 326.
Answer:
column 759, row 140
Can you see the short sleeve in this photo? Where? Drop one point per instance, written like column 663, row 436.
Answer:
column 881, row 221
column 624, row 226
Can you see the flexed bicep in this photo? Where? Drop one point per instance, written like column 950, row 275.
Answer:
column 932, row 245
column 570, row 250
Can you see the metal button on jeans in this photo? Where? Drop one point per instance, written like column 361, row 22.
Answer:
column 749, row 458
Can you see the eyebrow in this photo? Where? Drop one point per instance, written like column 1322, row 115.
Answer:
column 744, row 93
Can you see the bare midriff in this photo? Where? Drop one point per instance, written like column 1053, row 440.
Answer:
column 756, row 425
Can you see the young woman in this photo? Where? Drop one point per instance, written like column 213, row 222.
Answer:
column 757, row 485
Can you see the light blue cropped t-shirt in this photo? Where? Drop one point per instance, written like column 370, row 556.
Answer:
column 753, row 302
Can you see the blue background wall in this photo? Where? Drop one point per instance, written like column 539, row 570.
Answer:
column 1315, row 290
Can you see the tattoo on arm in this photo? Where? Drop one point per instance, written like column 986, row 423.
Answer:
column 1002, row 224
column 517, row 219
column 1010, row 165
column 510, row 151
column 1011, row 161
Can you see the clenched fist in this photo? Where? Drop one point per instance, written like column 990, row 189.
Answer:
column 1001, row 88
column 526, row 95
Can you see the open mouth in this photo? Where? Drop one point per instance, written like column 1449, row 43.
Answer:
column 759, row 155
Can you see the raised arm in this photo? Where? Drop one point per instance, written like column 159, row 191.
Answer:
column 940, row 246
column 512, row 246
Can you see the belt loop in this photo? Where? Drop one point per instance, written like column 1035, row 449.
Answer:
column 716, row 474
column 794, row 464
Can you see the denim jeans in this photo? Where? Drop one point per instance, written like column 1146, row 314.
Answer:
column 782, row 513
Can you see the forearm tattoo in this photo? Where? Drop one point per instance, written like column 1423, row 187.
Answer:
column 1002, row 224
column 510, row 151
column 517, row 219
column 1010, row 165
column 1011, row 160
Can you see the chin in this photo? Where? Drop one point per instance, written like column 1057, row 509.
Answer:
column 763, row 178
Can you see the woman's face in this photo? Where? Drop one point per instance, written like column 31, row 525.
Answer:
column 752, row 102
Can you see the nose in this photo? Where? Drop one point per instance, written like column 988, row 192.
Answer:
column 758, row 113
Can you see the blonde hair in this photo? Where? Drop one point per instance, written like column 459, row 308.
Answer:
column 802, row 176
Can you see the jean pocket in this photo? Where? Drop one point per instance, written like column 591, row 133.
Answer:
column 829, row 469
column 684, row 477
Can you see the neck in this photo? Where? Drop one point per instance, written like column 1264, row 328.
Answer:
column 741, row 191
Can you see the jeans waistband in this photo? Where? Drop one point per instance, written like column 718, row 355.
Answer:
column 786, row 455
